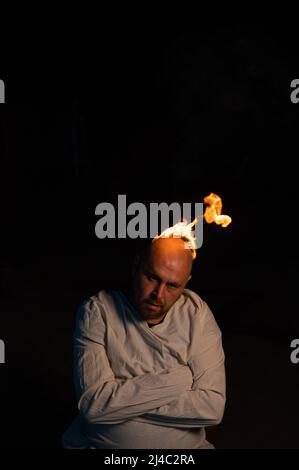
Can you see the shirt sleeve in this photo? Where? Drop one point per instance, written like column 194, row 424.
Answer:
column 204, row 404
column 103, row 398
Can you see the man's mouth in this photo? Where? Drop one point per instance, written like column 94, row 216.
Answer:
column 154, row 306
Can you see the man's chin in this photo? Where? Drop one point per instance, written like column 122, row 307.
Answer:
column 148, row 312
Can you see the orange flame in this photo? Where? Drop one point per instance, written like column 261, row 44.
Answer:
column 183, row 229
column 213, row 213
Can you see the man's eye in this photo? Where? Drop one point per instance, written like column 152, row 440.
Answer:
column 171, row 286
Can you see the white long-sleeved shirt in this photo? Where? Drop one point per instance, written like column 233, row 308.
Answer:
column 141, row 387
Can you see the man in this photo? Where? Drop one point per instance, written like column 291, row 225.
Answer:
column 149, row 366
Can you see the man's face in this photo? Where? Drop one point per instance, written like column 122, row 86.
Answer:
column 160, row 279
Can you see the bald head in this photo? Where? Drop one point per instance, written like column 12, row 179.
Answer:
column 172, row 253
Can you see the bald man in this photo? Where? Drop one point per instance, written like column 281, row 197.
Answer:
column 149, row 365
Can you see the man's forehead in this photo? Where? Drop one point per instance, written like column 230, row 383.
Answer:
column 165, row 272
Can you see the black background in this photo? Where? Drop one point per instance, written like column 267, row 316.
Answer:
column 158, row 115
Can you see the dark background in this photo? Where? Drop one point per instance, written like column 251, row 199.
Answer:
column 159, row 116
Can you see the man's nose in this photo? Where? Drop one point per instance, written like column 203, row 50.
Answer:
column 159, row 291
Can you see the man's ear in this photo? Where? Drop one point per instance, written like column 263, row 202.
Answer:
column 189, row 278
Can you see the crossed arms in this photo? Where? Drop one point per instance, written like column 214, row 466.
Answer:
column 191, row 395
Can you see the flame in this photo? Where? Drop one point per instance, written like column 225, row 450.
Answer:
column 213, row 212
column 184, row 230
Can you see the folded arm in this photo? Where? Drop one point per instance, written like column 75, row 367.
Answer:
column 204, row 404
column 102, row 398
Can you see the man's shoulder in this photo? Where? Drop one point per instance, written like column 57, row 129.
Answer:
column 96, row 299
column 200, row 308
column 91, row 317
column 93, row 304
column 195, row 299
